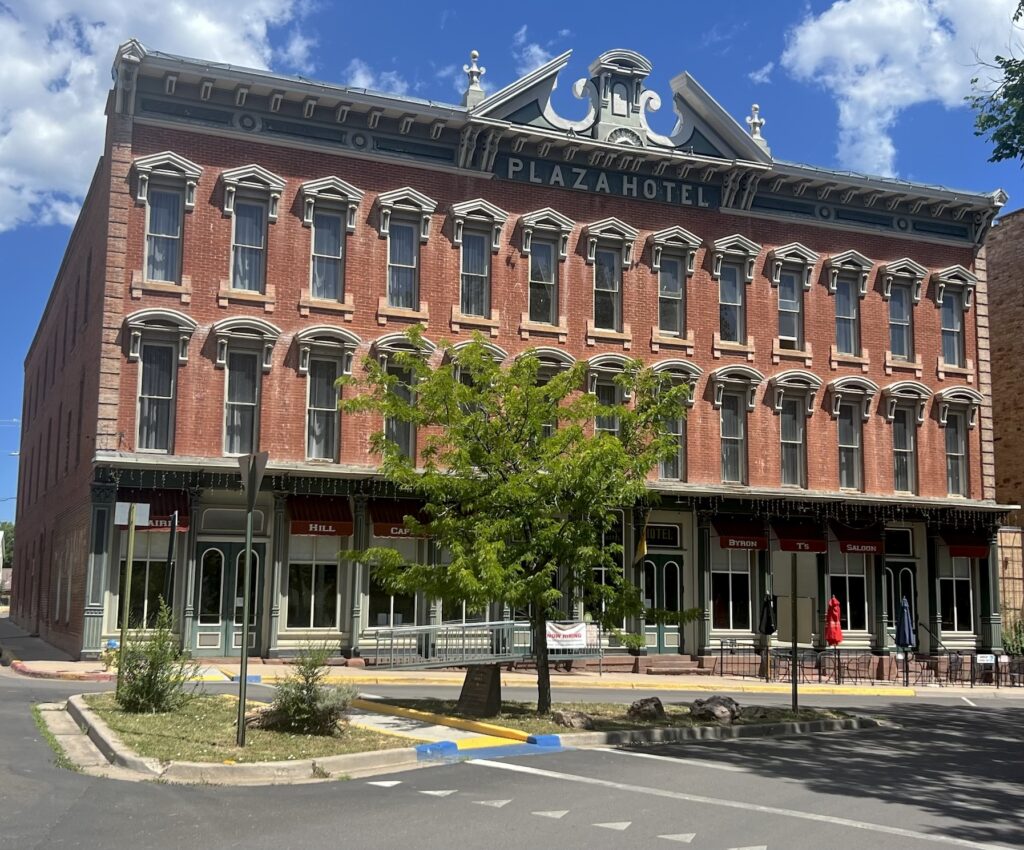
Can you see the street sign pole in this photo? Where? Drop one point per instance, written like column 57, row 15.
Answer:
column 794, row 664
column 252, row 468
column 126, row 593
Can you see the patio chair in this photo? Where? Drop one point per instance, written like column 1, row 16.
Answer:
column 810, row 666
column 955, row 670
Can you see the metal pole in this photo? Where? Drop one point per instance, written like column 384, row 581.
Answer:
column 793, row 623
column 246, row 590
column 126, row 595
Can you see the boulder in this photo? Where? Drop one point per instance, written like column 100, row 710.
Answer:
column 572, row 719
column 648, row 708
column 722, row 710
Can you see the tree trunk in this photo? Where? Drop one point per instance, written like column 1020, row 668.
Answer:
column 540, row 653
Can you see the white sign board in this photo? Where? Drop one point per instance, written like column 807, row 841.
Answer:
column 1004, row 659
column 141, row 514
column 985, row 659
column 571, row 636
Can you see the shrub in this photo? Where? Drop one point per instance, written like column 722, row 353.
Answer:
column 153, row 672
column 1013, row 637
column 303, row 703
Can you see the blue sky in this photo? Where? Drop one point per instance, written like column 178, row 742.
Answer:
column 870, row 85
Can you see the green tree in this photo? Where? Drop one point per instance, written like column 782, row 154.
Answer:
column 8, row 531
column 518, row 486
column 1000, row 109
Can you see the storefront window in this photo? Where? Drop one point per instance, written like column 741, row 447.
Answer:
column 730, row 589
column 149, row 579
column 313, row 587
column 848, row 583
column 387, row 609
column 956, row 597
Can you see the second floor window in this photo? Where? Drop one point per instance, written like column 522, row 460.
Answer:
column 732, row 326
column 322, row 411
column 163, row 235
column 904, row 450
column 156, row 398
column 847, row 318
column 952, row 329
column 734, row 438
column 794, row 443
column 248, row 261
column 241, row 403
column 671, row 298
column 607, row 289
column 609, row 395
column 543, row 283
column 398, row 431
column 673, row 468
column 403, row 260
column 327, row 262
column 901, row 327
column 791, row 307
column 956, row 455
column 476, row 274
column 850, row 457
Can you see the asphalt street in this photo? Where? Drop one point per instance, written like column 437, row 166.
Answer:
column 952, row 775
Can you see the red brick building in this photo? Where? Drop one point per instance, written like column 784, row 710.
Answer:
column 249, row 237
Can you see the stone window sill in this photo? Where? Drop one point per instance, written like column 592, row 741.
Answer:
column 596, row 335
column 242, row 296
column 686, row 343
column 837, row 359
column 526, row 327
column 944, row 370
column 402, row 314
column 720, row 347
column 801, row 355
column 345, row 307
column 893, row 364
column 460, row 320
column 140, row 286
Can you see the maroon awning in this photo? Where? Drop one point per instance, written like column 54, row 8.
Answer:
column 734, row 533
column 800, row 535
column 162, row 506
column 866, row 540
column 388, row 517
column 320, row 516
column 966, row 544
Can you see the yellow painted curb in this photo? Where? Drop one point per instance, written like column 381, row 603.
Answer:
column 441, row 719
column 484, row 741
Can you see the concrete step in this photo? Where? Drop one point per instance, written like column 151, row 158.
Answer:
column 679, row 671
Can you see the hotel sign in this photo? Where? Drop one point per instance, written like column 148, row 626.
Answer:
column 602, row 181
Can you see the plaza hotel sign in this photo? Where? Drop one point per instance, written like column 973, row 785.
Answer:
column 602, row 181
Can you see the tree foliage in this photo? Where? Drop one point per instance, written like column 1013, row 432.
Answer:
column 1000, row 109
column 8, row 555
column 519, row 488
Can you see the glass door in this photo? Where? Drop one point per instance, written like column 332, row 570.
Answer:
column 663, row 596
column 219, row 587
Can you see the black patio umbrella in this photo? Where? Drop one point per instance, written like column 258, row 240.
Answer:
column 905, row 637
column 766, row 626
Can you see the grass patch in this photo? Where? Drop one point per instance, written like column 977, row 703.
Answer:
column 204, row 730
column 607, row 716
column 60, row 758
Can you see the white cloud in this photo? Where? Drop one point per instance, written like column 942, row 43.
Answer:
column 879, row 57
column 296, row 52
column 55, row 76
column 762, row 75
column 528, row 55
column 360, row 75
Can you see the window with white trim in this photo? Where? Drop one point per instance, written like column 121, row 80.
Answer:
column 901, row 322
column 904, row 450
column 952, row 313
column 673, row 468
column 731, row 308
column 608, row 289
column 314, row 591
column 543, row 282
column 241, row 402
column 164, row 221
column 322, row 408
column 730, row 589
column 249, row 245
column 150, row 581
column 791, row 309
column 384, row 608
column 398, row 431
column 476, row 274
column 733, row 412
column 956, row 453
column 847, row 577
column 609, row 395
column 403, row 264
column 672, row 296
column 604, row 575
column 847, row 316
column 956, row 595
column 327, row 264
column 158, row 368
column 849, row 423
column 793, row 437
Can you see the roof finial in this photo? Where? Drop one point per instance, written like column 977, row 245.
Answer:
column 756, row 122
column 474, row 92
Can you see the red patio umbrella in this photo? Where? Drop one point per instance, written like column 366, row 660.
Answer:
column 834, row 629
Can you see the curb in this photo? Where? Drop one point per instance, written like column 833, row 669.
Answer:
column 490, row 729
column 66, row 675
column 106, row 741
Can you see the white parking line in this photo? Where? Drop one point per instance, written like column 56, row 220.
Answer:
column 971, row 704
column 697, row 762
column 735, row 804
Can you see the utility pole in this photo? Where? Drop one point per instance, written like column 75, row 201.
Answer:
column 252, row 468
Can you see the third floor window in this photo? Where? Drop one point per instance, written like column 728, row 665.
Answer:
column 608, row 289
column 847, row 317
column 403, row 262
column 327, row 262
column 952, row 328
column 249, row 248
column 731, row 319
column 476, row 274
column 543, row 283
column 901, row 322
column 791, row 309
column 671, row 297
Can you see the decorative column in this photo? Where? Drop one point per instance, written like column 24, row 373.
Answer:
column 434, row 606
column 360, row 541
column 98, row 571
column 934, row 614
column 195, row 501
column 703, row 567
column 634, row 569
column 881, row 606
column 280, row 550
column 762, row 588
column 821, row 560
column 991, row 613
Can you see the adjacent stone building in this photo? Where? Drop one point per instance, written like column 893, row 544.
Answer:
column 249, row 237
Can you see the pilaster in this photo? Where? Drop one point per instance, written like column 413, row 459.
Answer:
column 360, row 541
column 195, row 501
column 98, row 577
column 277, row 568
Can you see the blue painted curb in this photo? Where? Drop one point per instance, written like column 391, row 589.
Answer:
column 251, row 678
column 436, row 750
column 545, row 740
column 507, row 751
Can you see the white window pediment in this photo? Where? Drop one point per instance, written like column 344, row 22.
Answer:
column 383, row 347
column 481, row 212
column 956, row 277
column 684, row 372
column 605, row 366
column 907, row 270
column 166, row 324
column 615, row 231
column 909, row 393
column 793, row 254
column 406, row 200
column 335, row 192
column 673, row 239
column 250, row 332
column 795, row 382
column 329, row 340
column 549, row 221
column 737, row 378
column 735, row 247
column 852, row 389
column 552, row 359
column 959, row 398
column 852, row 263
column 170, row 166
column 253, row 178
column 499, row 354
